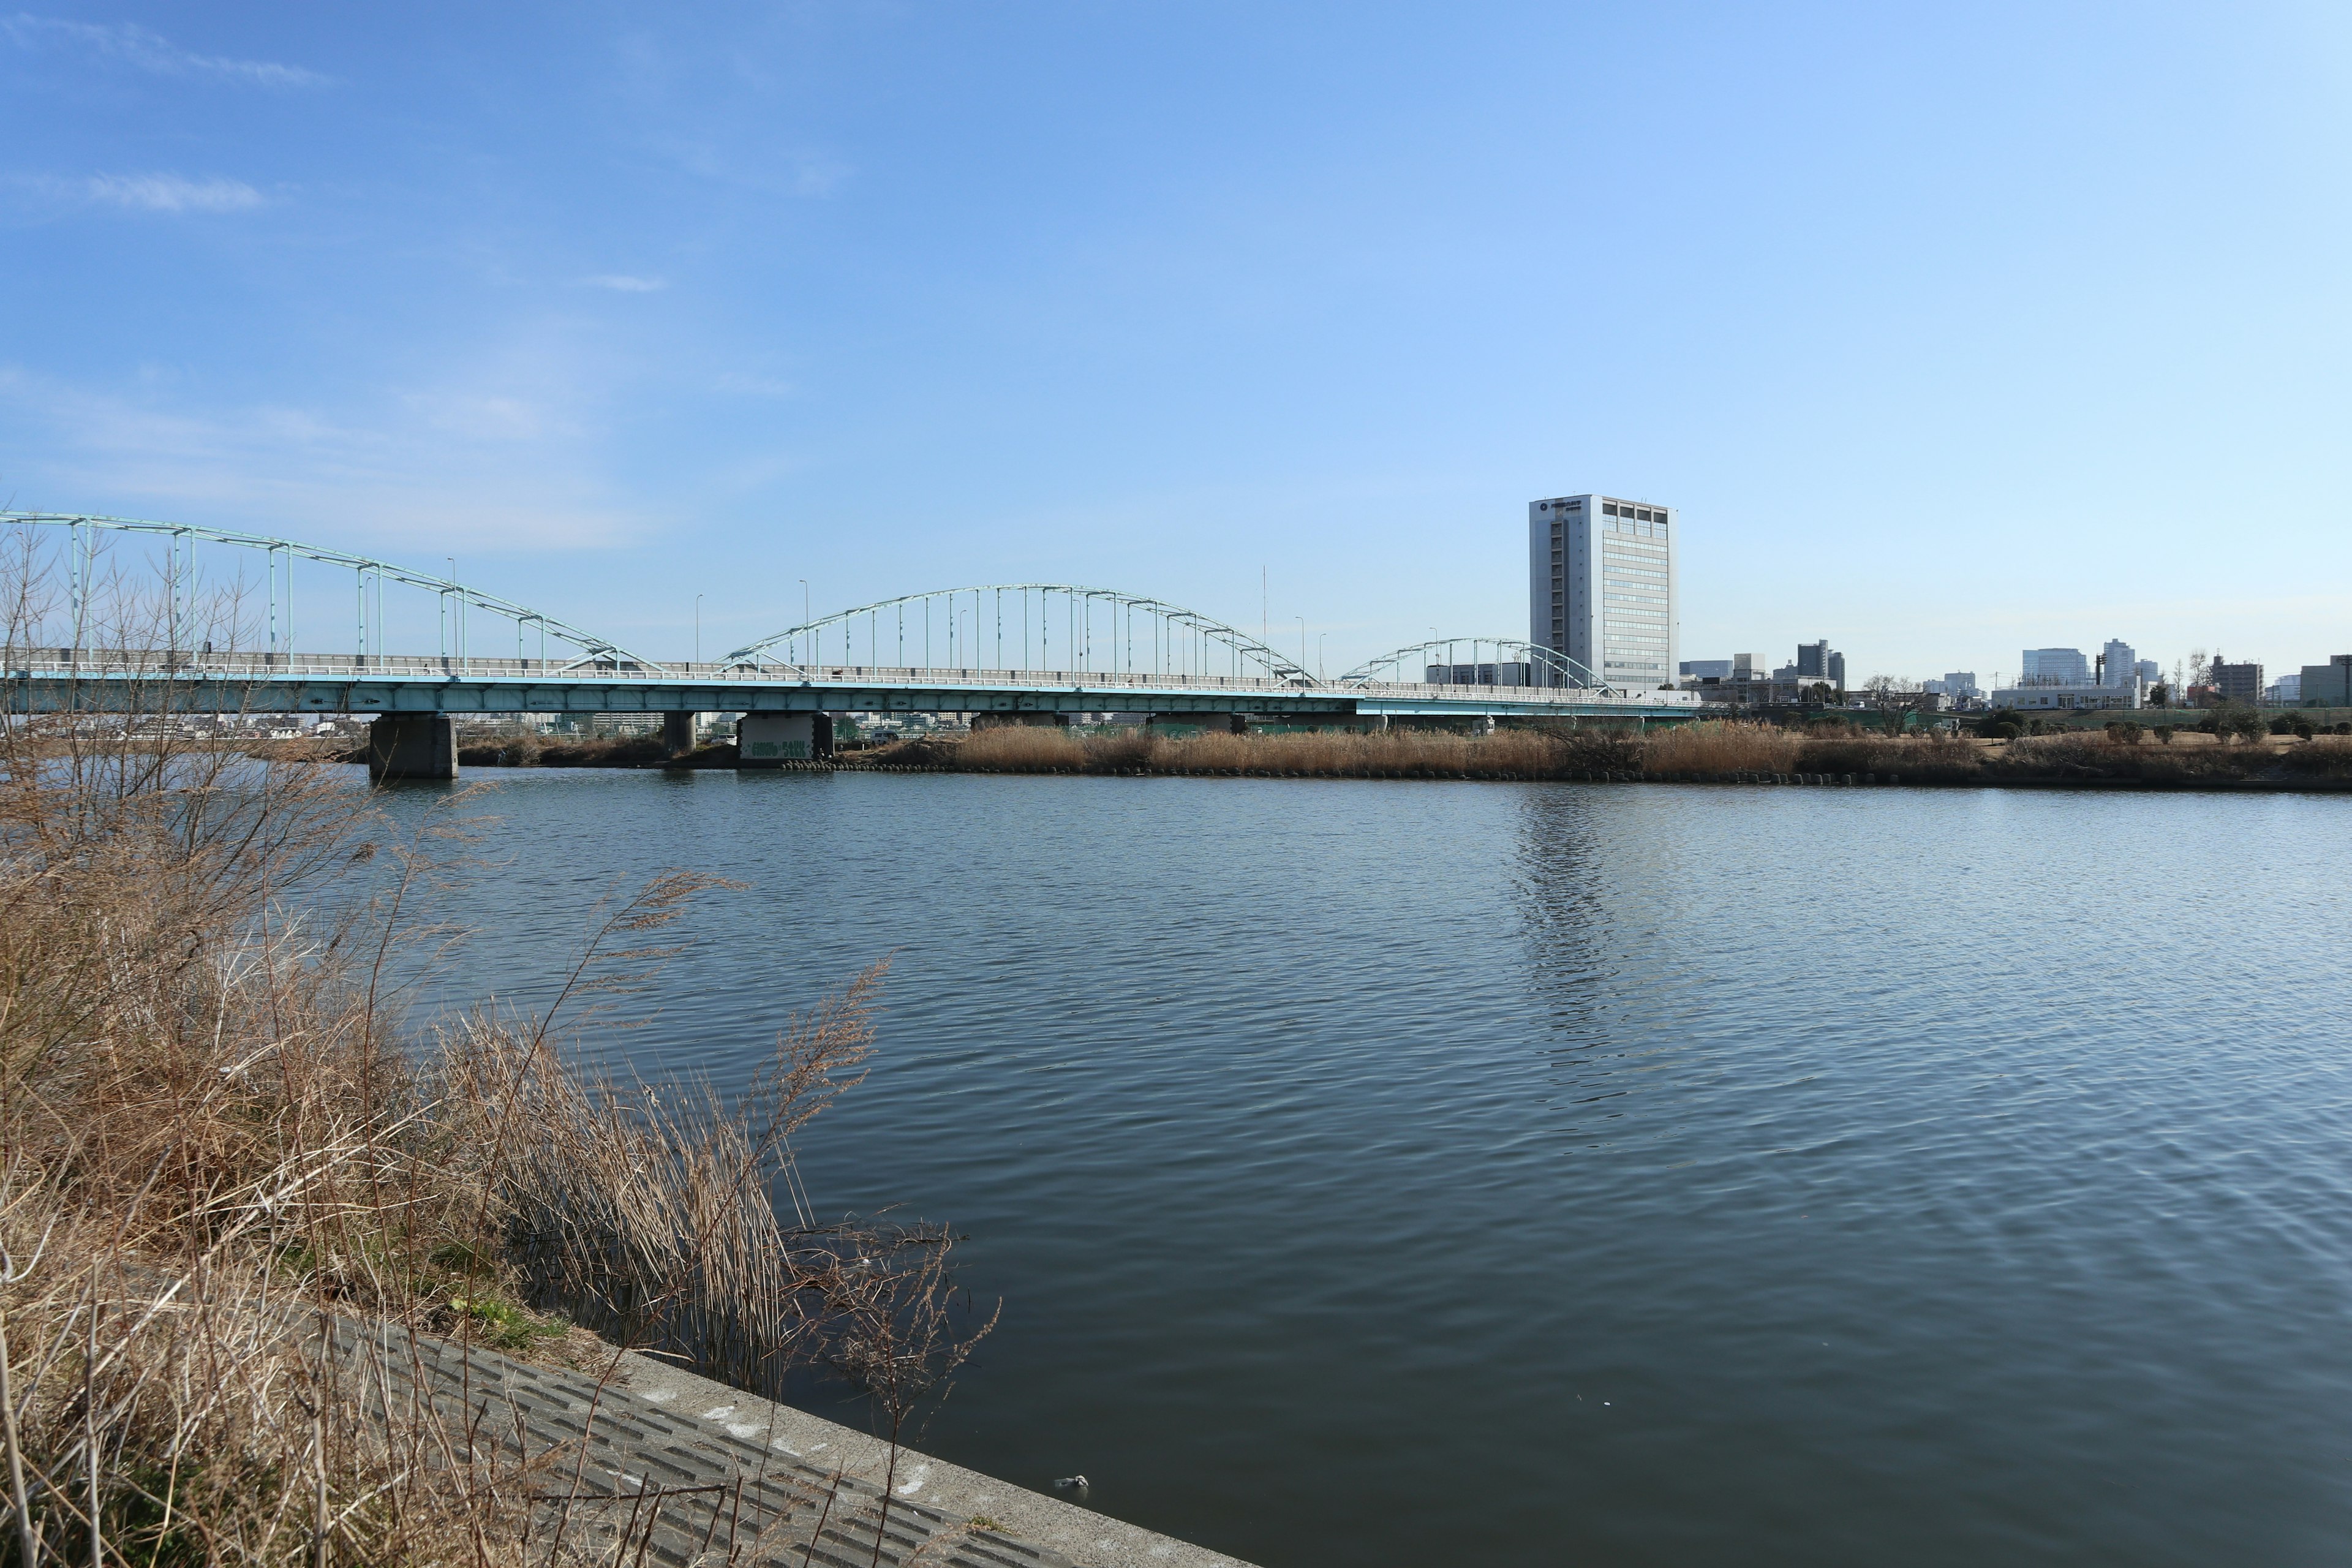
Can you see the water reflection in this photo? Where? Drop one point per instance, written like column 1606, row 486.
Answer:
column 1405, row 1173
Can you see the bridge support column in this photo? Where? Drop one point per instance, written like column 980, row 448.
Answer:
column 677, row 732
column 411, row 746
column 772, row 739
column 1039, row 721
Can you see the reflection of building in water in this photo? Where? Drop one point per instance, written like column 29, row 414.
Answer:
column 1564, row 889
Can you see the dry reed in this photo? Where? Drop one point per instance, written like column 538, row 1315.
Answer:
column 1707, row 751
column 215, row 1142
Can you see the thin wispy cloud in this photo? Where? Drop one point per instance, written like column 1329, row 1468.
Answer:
column 172, row 194
column 141, row 50
column 744, row 385
column 621, row 283
column 492, row 468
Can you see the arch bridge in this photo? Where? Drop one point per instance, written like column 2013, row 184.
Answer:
column 105, row 630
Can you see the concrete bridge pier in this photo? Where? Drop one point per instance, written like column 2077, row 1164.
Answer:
column 677, row 732
column 411, row 746
column 772, row 739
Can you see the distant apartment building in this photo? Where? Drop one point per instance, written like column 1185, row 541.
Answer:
column 1815, row 662
column 2150, row 672
column 2237, row 682
column 1601, row 586
column 1958, row 685
column 2053, row 667
column 2326, row 685
column 2118, row 663
column 2286, row 691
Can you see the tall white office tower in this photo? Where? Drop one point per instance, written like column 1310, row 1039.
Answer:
column 1601, row 586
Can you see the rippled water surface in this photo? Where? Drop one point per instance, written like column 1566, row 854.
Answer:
column 1402, row 1174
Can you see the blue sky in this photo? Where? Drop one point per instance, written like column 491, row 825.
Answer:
column 1951, row 330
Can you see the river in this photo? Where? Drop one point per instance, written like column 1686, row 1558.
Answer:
column 1390, row 1173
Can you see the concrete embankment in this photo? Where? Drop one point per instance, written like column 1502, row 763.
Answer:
column 678, row 1469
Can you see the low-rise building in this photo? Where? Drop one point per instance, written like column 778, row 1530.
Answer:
column 1753, row 690
column 2238, row 682
column 2326, row 685
column 2045, row 692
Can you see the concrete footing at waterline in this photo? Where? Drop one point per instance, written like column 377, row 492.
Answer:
column 1087, row 1539
column 699, row 1470
column 411, row 746
column 772, row 739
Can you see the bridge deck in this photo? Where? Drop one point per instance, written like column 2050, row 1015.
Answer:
column 54, row 681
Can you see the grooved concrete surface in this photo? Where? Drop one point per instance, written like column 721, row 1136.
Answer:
column 698, row 1474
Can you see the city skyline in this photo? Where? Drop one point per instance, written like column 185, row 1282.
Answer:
column 623, row 311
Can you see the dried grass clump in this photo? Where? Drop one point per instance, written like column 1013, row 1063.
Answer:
column 2090, row 755
column 1021, row 748
column 1919, row 758
column 1392, row 753
column 216, row 1145
column 2327, row 756
column 1718, row 746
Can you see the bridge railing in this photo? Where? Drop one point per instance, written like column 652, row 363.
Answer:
column 56, row 662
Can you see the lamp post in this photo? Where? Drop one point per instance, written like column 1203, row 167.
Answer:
column 698, row 628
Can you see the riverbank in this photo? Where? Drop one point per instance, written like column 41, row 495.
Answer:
column 1698, row 753
column 1703, row 753
column 219, row 1127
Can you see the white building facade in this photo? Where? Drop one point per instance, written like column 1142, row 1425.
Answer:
column 1601, row 586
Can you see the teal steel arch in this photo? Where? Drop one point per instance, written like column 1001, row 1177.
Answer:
column 1564, row 670
column 1096, row 628
column 180, row 540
